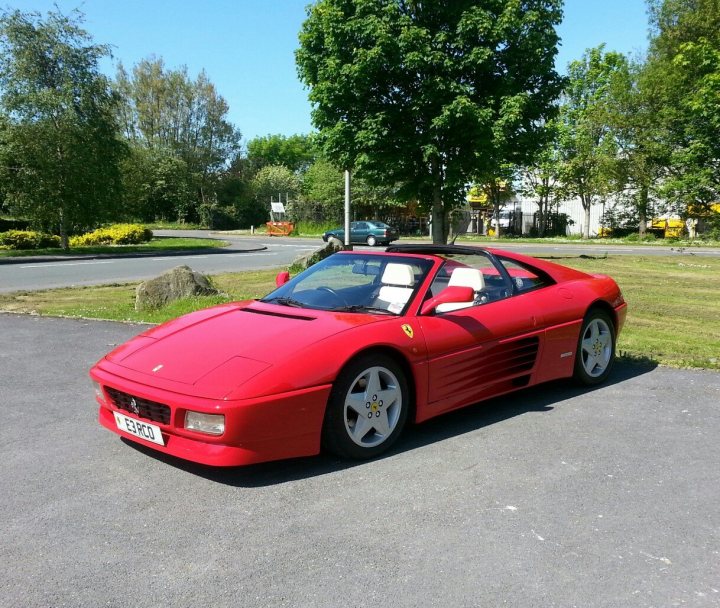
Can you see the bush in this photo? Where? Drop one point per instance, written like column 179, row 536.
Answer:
column 28, row 239
column 315, row 228
column 118, row 234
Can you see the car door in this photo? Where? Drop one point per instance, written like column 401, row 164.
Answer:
column 483, row 349
column 359, row 232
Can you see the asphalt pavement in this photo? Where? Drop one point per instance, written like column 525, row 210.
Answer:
column 556, row 496
column 245, row 252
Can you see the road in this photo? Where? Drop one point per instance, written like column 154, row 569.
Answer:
column 249, row 253
column 245, row 253
column 553, row 497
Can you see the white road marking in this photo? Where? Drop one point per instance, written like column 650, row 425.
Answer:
column 45, row 265
column 298, row 246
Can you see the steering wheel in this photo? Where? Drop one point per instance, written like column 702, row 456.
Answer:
column 333, row 293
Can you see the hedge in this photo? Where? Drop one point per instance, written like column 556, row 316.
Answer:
column 28, row 239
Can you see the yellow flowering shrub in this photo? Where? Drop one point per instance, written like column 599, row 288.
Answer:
column 117, row 234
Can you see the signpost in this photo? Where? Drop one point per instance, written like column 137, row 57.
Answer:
column 277, row 226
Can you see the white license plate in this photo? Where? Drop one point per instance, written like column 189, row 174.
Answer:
column 148, row 432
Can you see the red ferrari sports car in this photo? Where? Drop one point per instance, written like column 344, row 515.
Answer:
column 346, row 353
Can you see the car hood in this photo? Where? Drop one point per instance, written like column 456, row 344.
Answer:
column 211, row 352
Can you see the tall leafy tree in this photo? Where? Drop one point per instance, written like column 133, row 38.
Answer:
column 166, row 110
column 59, row 152
column 683, row 67
column 643, row 153
column 590, row 166
column 540, row 179
column 429, row 96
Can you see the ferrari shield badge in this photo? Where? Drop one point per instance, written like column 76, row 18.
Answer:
column 408, row 330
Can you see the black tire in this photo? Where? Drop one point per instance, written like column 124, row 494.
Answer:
column 595, row 353
column 382, row 419
column 371, row 241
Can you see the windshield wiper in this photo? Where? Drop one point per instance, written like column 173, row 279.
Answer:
column 362, row 308
column 283, row 301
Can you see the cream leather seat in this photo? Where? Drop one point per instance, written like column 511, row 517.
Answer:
column 464, row 277
column 397, row 287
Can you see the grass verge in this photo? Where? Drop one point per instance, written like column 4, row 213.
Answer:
column 117, row 302
column 675, row 244
column 157, row 244
column 673, row 306
column 673, row 317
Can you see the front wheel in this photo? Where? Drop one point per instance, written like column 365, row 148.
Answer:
column 367, row 409
column 595, row 353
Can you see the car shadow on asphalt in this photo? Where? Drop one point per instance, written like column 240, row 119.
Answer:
column 541, row 398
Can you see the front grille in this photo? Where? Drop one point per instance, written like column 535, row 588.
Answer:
column 144, row 408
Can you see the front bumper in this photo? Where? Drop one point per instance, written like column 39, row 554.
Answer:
column 274, row 427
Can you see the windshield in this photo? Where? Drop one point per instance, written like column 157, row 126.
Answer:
column 355, row 282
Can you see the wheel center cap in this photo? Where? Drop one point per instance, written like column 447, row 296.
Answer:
column 374, row 407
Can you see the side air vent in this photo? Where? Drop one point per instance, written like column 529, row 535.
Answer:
column 507, row 363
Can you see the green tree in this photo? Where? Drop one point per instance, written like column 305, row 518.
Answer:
column 323, row 195
column 275, row 182
column 589, row 166
column 633, row 118
column 296, row 152
column 540, row 179
column 427, row 96
column 166, row 110
column 156, row 185
column 683, row 68
column 59, row 152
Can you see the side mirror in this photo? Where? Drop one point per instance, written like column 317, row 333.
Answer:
column 449, row 295
column 282, row 278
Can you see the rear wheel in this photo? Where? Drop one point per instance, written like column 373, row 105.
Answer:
column 372, row 241
column 595, row 353
column 367, row 409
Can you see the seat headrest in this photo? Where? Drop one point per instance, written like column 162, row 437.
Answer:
column 398, row 274
column 467, row 277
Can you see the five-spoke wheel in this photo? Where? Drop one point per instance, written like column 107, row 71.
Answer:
column 596, row 348
column 368, row 407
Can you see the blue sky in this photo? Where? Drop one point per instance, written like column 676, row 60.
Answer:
column 246, row 46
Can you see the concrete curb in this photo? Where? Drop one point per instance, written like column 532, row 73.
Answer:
column 29, row 259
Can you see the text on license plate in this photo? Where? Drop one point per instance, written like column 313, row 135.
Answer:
column 146, row 431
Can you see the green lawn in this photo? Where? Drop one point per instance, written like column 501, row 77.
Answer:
column 673, row 316
column 677, row 244
column 673, row 306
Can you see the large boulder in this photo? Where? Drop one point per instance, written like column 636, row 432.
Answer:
column 175, row 284
column 305, row 261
